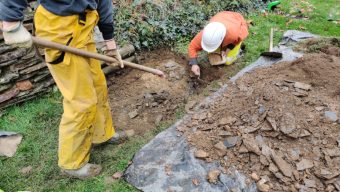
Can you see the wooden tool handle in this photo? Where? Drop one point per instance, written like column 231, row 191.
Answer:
column 271, row 40
column 61, row 47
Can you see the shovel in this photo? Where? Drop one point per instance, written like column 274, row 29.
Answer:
column 61, row 47
column 271, row 53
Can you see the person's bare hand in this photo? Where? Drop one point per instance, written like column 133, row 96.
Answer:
column 196, row 70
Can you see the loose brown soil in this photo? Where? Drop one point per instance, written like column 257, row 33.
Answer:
column 271, row 127
column 140, row 101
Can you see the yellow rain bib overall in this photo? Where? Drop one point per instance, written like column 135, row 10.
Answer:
column 87, row 117
column 231, row 56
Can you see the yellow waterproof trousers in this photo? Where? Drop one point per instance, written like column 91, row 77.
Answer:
column 232, row 54
column 87, row 117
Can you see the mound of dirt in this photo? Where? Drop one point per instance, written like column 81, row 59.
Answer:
column 279, row 125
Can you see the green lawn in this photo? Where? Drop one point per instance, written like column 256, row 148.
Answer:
column 38, row 120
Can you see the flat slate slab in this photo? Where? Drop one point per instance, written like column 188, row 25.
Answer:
column 167, row 162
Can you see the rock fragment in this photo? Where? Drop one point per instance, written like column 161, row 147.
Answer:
column 231, row 141
column 227, row 121
column 199, row 116
column 255, row 177
column 272, row 122
column 220, row 146
column 243, row 149
column 117, row 175
column 196, row 182
column 213, row 176
column 133, row 114
column 320, row 108
column 332, row 116
column 288, row 124
column 283, row 166
column 262, row 186
column 333, row 152
column 190, row 105
column 130, row 132
column 272, row 167
column 304, row 164
column 309, row 183
column 225, row 133
column 303, row 86
column 251, row 144
column 200, row 154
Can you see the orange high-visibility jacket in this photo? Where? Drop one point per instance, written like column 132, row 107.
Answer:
column 237, row 31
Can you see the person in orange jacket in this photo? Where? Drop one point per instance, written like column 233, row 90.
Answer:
column 221, row 37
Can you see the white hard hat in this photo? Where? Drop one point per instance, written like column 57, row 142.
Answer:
column 213, row 35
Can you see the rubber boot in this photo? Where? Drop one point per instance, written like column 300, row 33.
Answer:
column 118, row 138
column 87, row 171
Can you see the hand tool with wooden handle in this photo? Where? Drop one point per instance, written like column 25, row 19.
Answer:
column 49, row 44
column 271, row 53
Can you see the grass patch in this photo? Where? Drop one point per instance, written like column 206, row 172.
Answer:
column 38, row 119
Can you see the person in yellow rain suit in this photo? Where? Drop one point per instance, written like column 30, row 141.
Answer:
column 87, row 118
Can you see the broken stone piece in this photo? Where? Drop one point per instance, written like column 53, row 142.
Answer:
column 213, row 176
column 334, row 152
column 303, row 86
column 24, row 85
column 196, row 182
column 272, row 122
column 309, row 183
column 190, row 105
column 199, row 116
column 255, row 177
column 283, row 166
column 264, row 160
column 294, row 154
column 296, row 175
column 243, row 149
column 220, row 146
column 200, row 154
column 273, row 168
column 225, row 133
column 279, row 175
column 251, row 129
column 320, row 108
column 227, row 121
column 117, row 175
column 288, row 124
column 304, row 133
column 262, row 186
column 332, row 116
column 262, row 109
column 231, row 141
column 130, row 132
column 251, row 145
column 9, row 144
column 133, row 114
column 300, row 93
column 304, row 164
